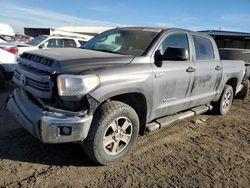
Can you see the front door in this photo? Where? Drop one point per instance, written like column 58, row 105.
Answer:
column 172, row 79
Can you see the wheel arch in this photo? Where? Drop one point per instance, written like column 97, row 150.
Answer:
column 233, row 82
column 137, row 101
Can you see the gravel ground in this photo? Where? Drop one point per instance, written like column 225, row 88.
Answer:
column 204, row 151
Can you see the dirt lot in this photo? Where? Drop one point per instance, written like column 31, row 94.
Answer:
column 214, row 152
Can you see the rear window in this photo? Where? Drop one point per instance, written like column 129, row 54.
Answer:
column 203, row 48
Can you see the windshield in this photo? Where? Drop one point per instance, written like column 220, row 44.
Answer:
column 37, row 40
column 129, row 41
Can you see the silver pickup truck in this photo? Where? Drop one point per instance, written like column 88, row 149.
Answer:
column 121, row 83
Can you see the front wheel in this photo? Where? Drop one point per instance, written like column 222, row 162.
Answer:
column 113, row 132
column 225, row 101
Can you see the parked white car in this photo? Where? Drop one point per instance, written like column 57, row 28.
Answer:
column 8, row 56
column 52, row 41
column 2, row 41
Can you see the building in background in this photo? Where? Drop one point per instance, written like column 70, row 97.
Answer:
column 92, row 31
column 83, row 32
column 229, row 39
column 232, row 45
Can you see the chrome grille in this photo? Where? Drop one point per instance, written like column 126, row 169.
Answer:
column 36, row 83
column 42, row 86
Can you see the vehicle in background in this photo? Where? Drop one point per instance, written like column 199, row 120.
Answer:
column 8, row 38
column 52, row 41
column 23, row 38
column 2, row 41
column 8, row 56
column 13, row 40
column 123, row 82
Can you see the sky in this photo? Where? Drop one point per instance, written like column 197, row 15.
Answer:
column 229, row 15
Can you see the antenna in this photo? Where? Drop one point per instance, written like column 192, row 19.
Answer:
column 220, row 23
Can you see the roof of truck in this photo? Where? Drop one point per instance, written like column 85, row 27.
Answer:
column 159, row 29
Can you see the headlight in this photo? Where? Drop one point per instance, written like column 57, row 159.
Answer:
column 71, row 85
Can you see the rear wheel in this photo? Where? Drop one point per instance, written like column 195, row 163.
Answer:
column 2, row 79
column 225, row 102
column 113, row 132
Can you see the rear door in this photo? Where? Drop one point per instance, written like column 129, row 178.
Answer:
column 172, row 82
column 208, row 71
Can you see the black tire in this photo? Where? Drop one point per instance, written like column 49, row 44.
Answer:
column 2, row 79
column 111, row 116
column 244, row 92
column 225, row 102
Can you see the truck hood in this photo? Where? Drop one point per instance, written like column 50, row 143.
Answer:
column 73, row 60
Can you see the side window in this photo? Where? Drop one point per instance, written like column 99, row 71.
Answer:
column 69, row 43
column 54, row 43
column 178, row 40
column 203, row 48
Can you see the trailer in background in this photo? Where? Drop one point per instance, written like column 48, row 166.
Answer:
column 233, row 46
column 229, row 39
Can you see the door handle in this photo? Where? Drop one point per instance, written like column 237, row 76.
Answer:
column 190, row 69
column 218, row 67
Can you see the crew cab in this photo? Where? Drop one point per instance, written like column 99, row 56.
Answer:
column 120, row 84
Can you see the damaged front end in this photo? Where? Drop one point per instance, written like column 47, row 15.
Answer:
column 45, row 114
column 49, row 124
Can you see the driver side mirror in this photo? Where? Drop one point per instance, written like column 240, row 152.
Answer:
column 172, row 54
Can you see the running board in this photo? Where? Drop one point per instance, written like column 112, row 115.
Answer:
column 173, row 119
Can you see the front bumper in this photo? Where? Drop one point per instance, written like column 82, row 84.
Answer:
column 48, row 126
